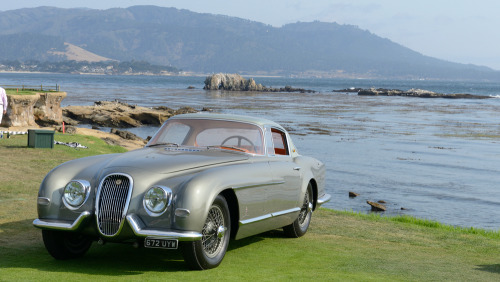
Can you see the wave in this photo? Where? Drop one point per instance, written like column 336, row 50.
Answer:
column 495, row 96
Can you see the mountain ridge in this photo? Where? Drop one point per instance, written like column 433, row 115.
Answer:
column 207, row 43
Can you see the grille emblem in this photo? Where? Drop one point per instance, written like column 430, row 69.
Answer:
column 118, row 182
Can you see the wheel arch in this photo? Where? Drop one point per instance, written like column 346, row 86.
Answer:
column 234, row 214
column 314, row 185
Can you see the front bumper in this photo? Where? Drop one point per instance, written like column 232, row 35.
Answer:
column 137, row 225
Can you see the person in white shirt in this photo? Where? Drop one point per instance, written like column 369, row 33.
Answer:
column 3, row 103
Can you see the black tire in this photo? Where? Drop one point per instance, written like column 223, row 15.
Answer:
column 210, row 250
column 299, row 227
column 65, row 245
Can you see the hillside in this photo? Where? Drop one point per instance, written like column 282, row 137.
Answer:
column 75, row 53
column 215, row 43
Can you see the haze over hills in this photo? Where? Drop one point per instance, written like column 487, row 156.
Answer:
column 214, row 43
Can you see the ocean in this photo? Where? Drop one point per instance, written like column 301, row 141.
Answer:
column 436, row 159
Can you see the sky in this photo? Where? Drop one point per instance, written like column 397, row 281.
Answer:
column 461, row 31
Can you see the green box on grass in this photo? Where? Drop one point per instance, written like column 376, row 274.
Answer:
column 38, row 138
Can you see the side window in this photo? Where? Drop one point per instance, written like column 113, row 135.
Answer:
column 279, row 141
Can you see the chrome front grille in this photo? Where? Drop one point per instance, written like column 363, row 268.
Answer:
column 112, row 202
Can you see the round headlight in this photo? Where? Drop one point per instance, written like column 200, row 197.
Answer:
column 157, row 199
column 75, row 193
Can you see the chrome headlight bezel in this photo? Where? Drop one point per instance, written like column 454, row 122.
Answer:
column 156, row 200
column 75, row 194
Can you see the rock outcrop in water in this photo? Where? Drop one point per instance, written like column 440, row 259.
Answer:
column 231, row 82
column 235, row 82
column 415, row 93
column 376, row 206
column 118, row 114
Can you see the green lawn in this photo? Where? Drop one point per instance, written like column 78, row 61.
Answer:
column 339, row 245
column 23, row 92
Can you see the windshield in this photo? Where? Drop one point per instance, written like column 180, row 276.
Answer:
column 229, row 135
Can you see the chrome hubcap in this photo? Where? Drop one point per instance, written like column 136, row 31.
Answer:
column 221, row 231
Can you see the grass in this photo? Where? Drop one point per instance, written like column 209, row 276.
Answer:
column 10, row 91
column 339, row 245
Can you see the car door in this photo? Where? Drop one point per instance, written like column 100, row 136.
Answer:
column 283, row 197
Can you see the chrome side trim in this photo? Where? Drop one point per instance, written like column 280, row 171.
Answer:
column 255, row 219
column 325, row 198
column 58, row 225
column 274, row 214
column 267, row 216
column 259, row 184
column 140, row 231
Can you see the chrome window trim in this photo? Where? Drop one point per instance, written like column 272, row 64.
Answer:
column 260, row 127
column 269, row 139
column 125, row 209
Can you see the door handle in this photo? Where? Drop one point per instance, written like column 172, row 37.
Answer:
column 296, row 168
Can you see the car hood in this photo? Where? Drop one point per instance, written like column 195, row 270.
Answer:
column 169, row 160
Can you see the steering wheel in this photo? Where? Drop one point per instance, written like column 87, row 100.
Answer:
column 240, row 138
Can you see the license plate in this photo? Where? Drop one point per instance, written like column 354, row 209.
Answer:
column 161, row 243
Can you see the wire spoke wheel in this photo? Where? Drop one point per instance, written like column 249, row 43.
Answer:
column 210, row 250
column 305, row 211
column 299, row 227
column 211, row 239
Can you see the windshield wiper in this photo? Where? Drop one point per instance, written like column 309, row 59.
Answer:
column 164, row 144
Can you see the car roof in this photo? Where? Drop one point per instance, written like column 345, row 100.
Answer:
column 229, row 117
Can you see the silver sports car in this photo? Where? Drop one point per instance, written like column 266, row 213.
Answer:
column 201, row 180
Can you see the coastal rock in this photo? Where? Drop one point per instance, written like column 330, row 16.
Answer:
column 349, row 90
column 353, row 195
column 48, row 107
column 125, row 134
column 235, row 82
column 33, row 110
column 118, row 114
column 376, row 206
column 67, row 129
column 231, row 82
column 420, row 93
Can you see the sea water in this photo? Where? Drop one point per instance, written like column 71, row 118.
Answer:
column 436, row 159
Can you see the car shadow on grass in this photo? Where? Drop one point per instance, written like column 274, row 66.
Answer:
column 494, row 268
column 22, row 247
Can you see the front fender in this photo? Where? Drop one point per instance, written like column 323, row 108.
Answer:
column 198, row 194
column 53, row 184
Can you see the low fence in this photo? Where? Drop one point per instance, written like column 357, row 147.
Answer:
column 40, row 87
